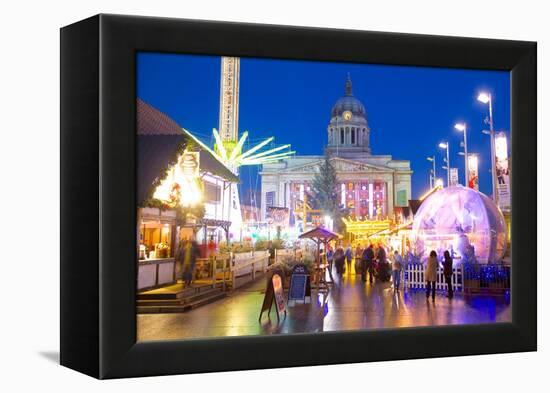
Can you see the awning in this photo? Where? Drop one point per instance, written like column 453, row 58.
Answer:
column 320, row 233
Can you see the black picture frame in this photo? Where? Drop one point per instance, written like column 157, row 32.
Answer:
column 98, row 198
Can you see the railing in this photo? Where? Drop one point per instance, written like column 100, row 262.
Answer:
column 414, row 277
column 486, row 278
column 232, row 270
column 216, row 269
column 245, row 268
column 284, row 253
column 471, row 277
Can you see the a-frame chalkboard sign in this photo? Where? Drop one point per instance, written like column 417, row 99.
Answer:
column 300, row 284
column 274, row 293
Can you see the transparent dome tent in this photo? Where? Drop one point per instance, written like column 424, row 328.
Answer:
column 463, row 221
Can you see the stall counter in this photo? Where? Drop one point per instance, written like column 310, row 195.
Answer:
column 154, row 273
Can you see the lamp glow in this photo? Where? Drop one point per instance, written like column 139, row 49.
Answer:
column 460, row 127
column 443, row 145
column 484, row 97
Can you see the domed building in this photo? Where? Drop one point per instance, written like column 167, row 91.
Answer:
column 348, row 130
column 372, row 187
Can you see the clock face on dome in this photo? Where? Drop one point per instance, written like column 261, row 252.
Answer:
column 347, row 115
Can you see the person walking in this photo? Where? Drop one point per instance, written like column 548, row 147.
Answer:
column 357, row 255
column 330, row 257
column 179, row 258
column 448, row 272
column 339, row 260
column 431, row 274
column 349, row 257
column 363, row 266
column 191, row 252
column 397, row 267
column 368, row 264
column 383, row 265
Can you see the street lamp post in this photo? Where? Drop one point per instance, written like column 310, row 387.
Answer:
column 486, row 98
column 445, row 145
column 432, row 174
column 462, row 127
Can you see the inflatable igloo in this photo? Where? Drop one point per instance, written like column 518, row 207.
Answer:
column 463, row 221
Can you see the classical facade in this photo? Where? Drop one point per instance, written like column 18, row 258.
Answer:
column 372, row 187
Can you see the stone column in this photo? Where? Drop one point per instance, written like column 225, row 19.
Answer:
column 289, row 194
column 357, row 186
column 280, row 191
column 390, row 197
column 262, row 201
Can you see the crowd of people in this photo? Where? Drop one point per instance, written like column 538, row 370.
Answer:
column 372, row 263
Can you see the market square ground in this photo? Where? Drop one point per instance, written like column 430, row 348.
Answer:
column 350, row 305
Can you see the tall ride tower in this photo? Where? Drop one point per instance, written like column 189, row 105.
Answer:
column 229, row 132
column 229, row 147
column 229, row 103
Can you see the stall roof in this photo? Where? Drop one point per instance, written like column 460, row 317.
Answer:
column 159, row 140
column 320, row 233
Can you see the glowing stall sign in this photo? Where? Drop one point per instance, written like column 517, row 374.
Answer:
column 182, row 183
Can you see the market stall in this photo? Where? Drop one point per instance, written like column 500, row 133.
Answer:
column 361, row 231
column 157, row 239
column 320, row 236
column 181, row 188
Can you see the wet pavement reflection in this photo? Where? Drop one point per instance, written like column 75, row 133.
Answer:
column 350, row 305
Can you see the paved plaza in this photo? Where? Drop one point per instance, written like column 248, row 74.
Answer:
column 350, row 305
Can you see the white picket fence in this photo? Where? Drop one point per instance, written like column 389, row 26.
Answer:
column 413, row 277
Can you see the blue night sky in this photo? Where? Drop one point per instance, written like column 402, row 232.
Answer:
column 409, row 109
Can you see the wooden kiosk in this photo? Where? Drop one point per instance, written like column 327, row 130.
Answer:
column 320, row 236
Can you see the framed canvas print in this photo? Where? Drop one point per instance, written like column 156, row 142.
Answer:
column 292, row 196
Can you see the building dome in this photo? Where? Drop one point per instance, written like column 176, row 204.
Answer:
column 348, row 103
column 348, row 130
column 463, row 221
